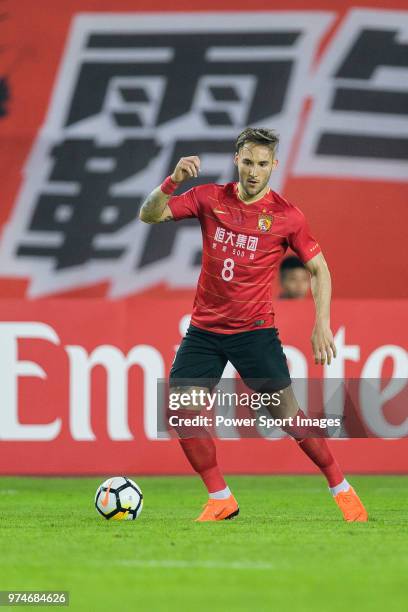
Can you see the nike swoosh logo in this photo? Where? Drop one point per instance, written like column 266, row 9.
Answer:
column 105, row 500
column 221, row 212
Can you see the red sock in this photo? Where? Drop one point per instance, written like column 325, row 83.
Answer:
column 316, row 449
column 202, row 456
column 319, row 452
column 199, row 448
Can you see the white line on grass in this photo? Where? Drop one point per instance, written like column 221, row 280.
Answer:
column 174, row 564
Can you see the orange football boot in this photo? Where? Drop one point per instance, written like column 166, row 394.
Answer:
column 351, row 506
column 219, row 510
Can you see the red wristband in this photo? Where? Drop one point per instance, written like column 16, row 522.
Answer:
column 168, row 186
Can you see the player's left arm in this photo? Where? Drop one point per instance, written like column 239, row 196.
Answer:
column 322, row 337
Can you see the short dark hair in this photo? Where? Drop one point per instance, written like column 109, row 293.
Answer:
column 262, row 136
column 290, row 263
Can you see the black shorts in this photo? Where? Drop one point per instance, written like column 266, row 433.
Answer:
column 257, row 356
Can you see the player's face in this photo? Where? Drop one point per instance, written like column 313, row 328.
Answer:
column 255, row 164
column 296, row 283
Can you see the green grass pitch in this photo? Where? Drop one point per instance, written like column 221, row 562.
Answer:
column 288, row 550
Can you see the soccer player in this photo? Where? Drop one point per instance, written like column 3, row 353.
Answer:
column 246, row 229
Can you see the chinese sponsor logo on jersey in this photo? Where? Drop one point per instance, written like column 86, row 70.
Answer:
column 241, row 243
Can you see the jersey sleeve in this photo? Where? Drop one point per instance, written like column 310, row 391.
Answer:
column 301, row 240
column 184, row 206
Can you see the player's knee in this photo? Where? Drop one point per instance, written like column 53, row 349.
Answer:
column 184, row 424
column 182, row 414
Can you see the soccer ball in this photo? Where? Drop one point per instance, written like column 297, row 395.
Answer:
column 119, row 498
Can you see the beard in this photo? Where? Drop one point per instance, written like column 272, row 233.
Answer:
column 252, row 189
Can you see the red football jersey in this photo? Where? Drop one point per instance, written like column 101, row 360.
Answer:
column 242, row 247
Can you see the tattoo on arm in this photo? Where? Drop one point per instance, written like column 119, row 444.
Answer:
column 153, row 206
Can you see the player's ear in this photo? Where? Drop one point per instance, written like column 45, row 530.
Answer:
column 275, row 163
column 236, row 159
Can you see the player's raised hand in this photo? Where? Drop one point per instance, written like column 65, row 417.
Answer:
column 187, row 167
column 323, row 344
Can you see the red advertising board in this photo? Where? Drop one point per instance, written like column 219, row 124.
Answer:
column 78, row 382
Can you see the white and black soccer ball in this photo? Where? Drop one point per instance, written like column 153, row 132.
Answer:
column 119, row 499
